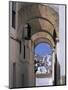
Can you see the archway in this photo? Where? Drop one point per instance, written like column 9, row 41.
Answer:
column 43, row 29
column 43, row 64
column 38, row 39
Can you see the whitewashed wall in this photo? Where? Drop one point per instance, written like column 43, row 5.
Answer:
column 61, row 44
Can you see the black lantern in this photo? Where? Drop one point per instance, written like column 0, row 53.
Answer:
column 27, row 32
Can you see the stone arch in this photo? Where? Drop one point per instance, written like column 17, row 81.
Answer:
column 42, row 40
column 41, row 23
column 39, row 19
column 42, row 28
column 42, row 36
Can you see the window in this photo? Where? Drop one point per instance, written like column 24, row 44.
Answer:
column 13, row 19
column 24, row 51
column 13, row 14
column 14, row 74
column 20, row 46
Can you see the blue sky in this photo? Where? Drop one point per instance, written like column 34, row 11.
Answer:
column 43, row 49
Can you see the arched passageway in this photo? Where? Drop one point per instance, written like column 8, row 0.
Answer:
column 42, row 30
column 43, row 57
column 36, row 31
column 43, row 64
